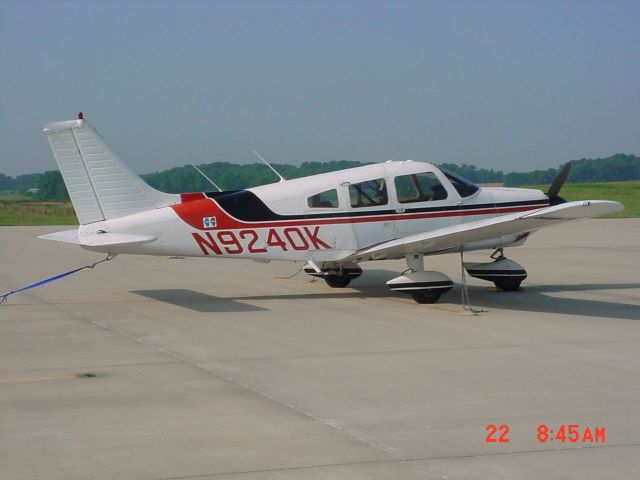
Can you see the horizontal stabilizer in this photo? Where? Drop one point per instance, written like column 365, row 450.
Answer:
column 98, row 239
column 110, row 239
column 67, row 236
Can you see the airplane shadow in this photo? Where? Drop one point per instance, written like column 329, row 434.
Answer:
column 197, row 301
column 533, row 298
column 530, row 298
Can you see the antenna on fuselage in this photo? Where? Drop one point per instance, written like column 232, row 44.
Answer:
column 208, row 179
column 282, row 179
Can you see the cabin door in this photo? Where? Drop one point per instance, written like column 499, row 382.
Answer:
column 370, row 211
column 423, row 202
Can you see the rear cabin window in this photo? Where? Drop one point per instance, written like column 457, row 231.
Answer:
column 419, row 187
column 368, row 194
column 463, row 186
column 326, row 199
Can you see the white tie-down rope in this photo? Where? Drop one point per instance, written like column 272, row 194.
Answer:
column 466, row 300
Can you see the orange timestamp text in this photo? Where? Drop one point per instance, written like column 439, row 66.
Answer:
column 564, row 433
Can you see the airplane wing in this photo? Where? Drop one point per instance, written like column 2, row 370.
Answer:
column 454, row 237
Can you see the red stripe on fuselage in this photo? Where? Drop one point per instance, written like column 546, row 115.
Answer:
column 191, row 197
column 192, row 212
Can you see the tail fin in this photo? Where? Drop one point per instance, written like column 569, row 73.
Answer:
column 101, row 186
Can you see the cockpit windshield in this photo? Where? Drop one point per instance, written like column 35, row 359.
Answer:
column 463, row 186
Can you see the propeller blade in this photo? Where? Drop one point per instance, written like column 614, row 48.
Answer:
column 555, row 187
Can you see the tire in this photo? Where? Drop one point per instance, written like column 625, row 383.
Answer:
column 426, row 296
column 508, row 284
column 336, row 281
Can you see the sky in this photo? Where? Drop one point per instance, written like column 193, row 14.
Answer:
column 508, row 85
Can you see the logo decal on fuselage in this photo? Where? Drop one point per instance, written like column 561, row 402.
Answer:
column 209, row 222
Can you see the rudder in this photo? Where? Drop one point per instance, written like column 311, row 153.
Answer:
column 100, row 184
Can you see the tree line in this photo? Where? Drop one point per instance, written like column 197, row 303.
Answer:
column 21, row 183
column 231, row 176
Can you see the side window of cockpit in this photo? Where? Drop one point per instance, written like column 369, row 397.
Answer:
column 419, row 187
column 463, row 186
column 368, row 194
column 326, row 199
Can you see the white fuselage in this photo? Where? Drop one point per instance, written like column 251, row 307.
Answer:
column 322, row 218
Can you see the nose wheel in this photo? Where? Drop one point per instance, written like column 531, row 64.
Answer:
column 506, row 274
column 508, row 285
column 337, row 281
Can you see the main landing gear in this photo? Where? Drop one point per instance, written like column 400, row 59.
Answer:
column 505, row 274
column 335, row 275
column 426, row 286
column 423, row 286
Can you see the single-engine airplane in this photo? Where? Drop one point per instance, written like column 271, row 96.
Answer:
column 332, row 221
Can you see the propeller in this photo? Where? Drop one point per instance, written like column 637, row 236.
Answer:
column 556, row 185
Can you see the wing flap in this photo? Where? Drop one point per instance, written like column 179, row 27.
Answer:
column 454, row 237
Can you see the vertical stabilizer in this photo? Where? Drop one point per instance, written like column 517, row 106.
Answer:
column 100, row 184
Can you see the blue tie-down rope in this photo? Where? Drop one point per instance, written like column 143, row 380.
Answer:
column 3, row 297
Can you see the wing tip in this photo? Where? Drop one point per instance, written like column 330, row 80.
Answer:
column 578, row 209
